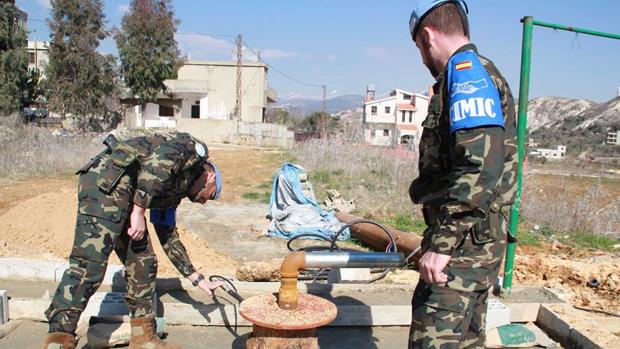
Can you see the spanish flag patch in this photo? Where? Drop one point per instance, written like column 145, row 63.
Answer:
column 463, row 65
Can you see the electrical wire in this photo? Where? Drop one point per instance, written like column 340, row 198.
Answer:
column 270, row 66
column 333, row 246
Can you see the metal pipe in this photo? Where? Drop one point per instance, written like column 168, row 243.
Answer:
column 575, row 29
column 296, row 261
column 524, row 90
column 289, row 270
column 376, row 238
column 354, row 260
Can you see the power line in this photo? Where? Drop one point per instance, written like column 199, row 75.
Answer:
column 279, row 71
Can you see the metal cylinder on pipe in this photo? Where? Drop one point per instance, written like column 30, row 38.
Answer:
column 354, row 260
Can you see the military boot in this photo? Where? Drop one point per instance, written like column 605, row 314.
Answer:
column 59, row 340
column 144, row 336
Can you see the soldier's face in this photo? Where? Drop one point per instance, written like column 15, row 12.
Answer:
column 422, row 42
column 203, row 190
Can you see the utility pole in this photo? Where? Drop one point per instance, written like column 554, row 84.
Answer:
column 237, row 113
column 324, row 113
column 36, row 59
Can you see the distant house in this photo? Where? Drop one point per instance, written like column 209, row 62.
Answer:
column 206, row 90
column 202, row 100
column 613, row 138
column 557, row 154
column 38, row 55
column 22, row 17
column 394, row 119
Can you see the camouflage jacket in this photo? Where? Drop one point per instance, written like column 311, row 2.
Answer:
column 467, row 163
column 166, row 166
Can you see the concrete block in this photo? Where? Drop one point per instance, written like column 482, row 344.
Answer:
column 28, row 309
column 109, row 304
column 4, row 307
column 106, row 304
column 523, row 312
column 562, row 331
column 497, row 314
column 27, row 269
column 344, row 275
column 23, row 269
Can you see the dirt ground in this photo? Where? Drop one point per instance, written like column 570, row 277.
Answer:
column 37, row 219
column 40, row 214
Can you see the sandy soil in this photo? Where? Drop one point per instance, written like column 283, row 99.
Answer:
column 40, row 214
column 573, row 272
column 603, row 330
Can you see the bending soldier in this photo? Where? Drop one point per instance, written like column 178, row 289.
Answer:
column 115, row 189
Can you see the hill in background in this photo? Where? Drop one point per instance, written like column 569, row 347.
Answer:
column 580, row 124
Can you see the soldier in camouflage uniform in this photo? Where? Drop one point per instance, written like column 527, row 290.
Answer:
column 466, row 183
column 115, row 188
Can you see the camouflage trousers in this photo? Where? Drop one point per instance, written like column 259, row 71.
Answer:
column 453, row 315
column 102, row 221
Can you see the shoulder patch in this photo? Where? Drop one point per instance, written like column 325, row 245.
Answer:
column 473, row 98
column 200, row 150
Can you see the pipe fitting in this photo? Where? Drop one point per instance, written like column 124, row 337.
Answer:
column 289, row 270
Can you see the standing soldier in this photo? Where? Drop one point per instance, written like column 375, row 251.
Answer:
column 115, row 189
column 466, row 182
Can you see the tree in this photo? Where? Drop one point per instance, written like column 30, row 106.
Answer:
column 78, row 77
column 13, row 59
column 147, row 49
column 312, row 124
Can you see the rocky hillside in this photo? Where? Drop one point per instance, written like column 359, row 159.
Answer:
column 580, row 124
column 303, row 106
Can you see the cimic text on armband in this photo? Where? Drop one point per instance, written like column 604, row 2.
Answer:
column 473, row 107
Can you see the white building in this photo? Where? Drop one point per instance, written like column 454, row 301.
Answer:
column 207, row 90
column 613, row 137
column 202, row 101
column 558, row 153
column 38, row 55
column 394, row 119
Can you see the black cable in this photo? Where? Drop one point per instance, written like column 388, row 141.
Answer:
column 322, row 274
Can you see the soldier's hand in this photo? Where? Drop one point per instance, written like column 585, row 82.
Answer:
column 210, row 286
column 137, row 224
column 431, row 267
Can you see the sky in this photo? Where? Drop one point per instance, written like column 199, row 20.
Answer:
column 347, row 44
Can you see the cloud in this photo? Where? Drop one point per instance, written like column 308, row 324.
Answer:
column 122, row 9
column 292, row 95
column 198, row 46
column 331, row 58
column 275, row 53
column 377, row 52
column 45, row 3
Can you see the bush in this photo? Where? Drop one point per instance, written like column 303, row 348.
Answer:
column 376, row 178
column 29, row 151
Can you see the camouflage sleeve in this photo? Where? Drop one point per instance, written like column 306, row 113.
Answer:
column 477, row 150
column 174, row 248
column 157, row 169
column 478, row 162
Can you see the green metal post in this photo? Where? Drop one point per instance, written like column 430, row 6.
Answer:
column 524, row 90
column 576, row 30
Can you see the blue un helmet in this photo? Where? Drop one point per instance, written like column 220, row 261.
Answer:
column 425, row 7
column 218, row 180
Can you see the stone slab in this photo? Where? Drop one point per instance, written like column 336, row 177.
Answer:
column 28, row 269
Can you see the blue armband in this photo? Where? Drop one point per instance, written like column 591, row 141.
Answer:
column 473, row 97
column 164, row 217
